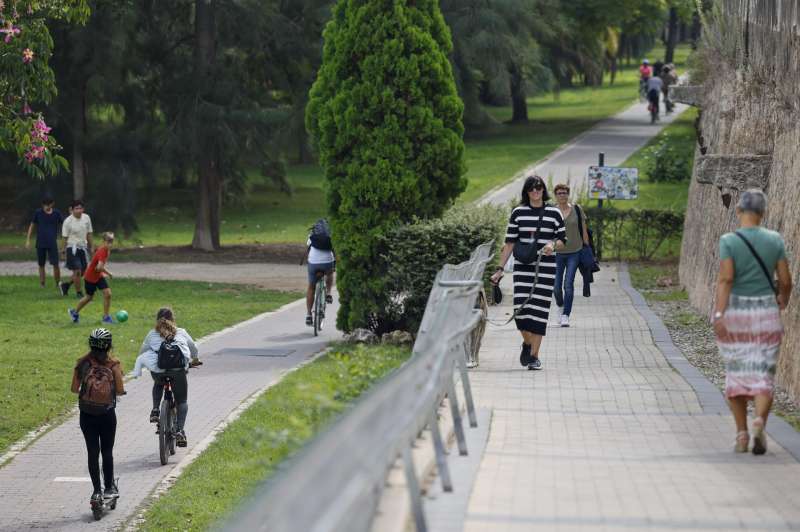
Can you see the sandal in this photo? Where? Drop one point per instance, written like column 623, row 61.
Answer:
column 759, row 437
column 742, row 441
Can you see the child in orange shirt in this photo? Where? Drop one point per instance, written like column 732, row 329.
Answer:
column 95, row 279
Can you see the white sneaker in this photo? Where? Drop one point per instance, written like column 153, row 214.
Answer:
column 565, row 320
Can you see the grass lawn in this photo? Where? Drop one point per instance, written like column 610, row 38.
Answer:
column 41, row 345
column 271, row 429
column 270, row 216
column 664, row 195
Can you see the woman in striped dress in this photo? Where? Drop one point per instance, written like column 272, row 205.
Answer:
column 532, row 304
column 747, row 318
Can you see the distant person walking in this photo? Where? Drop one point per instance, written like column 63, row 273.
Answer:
column 534, row 224
column 669, row 77
column 47, row 220
column 95, row 279
column 747, row 318
column 97, row 379
column 77, row 231
column 569, row 257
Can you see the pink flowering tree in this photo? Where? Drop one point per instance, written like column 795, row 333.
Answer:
column 27, row 82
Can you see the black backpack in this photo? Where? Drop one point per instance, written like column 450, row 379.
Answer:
column 321, row 235
column 170, row 355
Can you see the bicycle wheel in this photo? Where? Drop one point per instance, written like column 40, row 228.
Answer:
column 319, row 301
column 164, row 428
column 173, row 422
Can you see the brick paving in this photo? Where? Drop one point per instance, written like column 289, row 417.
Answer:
column 609, row 436
column 237, row 363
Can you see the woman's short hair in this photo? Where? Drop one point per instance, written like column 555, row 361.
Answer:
column 753, row 200
column 561, row 186
column 528, row 186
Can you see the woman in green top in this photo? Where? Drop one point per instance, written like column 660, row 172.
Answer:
column 747, row 318
column 568, row 258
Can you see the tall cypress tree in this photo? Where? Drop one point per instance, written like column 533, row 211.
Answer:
column 388, row 125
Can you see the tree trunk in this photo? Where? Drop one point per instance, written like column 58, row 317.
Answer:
column 519, row 104
column 697, row 28
column 78, row 135
column 209, row 183
column 209, row 204
column 672, row 35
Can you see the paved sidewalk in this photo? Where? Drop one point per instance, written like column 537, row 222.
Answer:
column 238, row 362
column 610, row 437
column 618, row 137
column 272, row 276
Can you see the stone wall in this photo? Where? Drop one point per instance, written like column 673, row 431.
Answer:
column 749, row 133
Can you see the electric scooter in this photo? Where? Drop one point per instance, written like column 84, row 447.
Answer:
column 101, row 507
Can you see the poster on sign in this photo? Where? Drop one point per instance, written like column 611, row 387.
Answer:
column 610, row 182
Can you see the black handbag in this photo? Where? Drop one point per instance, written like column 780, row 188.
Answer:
column 497, row 294
column 527, row 253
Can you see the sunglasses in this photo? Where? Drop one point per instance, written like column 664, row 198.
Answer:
column 562, row 193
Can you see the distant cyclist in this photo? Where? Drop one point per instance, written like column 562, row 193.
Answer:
column 654, row 86
column 164, row 336
column 320, row 259
column 97, row 379
column 645, row 73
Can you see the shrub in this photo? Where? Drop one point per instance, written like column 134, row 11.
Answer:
column 671, row 160
column 634, row 233
column 387, row 121
column 415, row 252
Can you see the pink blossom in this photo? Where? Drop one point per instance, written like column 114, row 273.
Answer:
column 27, row 55
column 10, row 31
column 35, row 152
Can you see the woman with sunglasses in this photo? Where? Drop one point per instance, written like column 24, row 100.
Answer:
column 533, row 220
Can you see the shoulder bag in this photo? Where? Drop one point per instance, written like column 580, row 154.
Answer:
column 527, row 253
column 760, row 262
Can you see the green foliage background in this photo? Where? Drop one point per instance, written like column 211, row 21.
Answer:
column 387, row 121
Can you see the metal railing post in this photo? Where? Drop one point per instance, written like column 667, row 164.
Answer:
column 458, row 425
column 413, row 490
column 441, row 455
column 462, row 369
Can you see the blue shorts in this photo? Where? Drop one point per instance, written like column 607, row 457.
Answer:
column 324, row 267
column 43, row 254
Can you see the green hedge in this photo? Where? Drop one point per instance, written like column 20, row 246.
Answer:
column 633, row 234
column 415, row 252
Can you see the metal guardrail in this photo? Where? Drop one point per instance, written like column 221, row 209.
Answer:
column 335, row 482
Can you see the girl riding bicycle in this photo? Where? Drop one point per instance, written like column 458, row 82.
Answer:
column 166, row 330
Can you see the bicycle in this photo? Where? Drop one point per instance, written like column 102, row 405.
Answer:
column 167, row 418
column 319, row 303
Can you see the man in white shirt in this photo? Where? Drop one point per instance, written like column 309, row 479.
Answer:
column 77, row 232
column 320, row 260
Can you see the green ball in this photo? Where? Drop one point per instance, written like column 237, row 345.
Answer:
column 122, row 316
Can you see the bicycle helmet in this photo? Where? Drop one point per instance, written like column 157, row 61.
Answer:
column 645, row 61
column 100, row 339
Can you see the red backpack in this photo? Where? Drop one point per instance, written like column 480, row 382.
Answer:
column 98, row 393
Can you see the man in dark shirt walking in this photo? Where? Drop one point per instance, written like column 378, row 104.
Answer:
column 47, row 220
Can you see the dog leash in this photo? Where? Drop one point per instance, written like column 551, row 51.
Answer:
column 530, row 294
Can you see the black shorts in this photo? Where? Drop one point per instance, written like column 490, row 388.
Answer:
column 91, row 288
column 77, row 260
column 43, row 254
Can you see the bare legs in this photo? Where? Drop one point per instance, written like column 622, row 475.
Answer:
column 56, row 275
column 533, row 340
column 88, row 298
column 309, row 298
column 738, row 406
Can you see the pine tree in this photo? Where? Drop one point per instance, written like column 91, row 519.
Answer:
column 388, row 125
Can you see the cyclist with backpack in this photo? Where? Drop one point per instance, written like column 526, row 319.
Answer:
column 168, row 350
column 97, row 379
column 320, row 260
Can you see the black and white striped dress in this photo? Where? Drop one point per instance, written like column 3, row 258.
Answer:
column 532, row 317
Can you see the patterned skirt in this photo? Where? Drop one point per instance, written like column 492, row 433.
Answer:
column 532, row 317
column 750, row 349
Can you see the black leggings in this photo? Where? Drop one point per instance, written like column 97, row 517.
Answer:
column 99, row 433
column 180, row 390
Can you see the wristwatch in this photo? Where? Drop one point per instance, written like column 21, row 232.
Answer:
column 717, row 315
